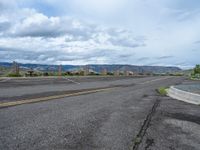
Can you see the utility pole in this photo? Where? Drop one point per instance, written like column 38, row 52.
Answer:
column 116, row 73
column 86, row 71
column 60, row 70
column 127, row 73
column 15, row 68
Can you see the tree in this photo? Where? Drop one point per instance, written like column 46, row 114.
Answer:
column 197, row 69
column 196, row 72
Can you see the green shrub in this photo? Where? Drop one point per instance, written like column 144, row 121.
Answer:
column 197, row 69
column 14, row 75
column 137, row 140
column 110, row 73
column 162, row 91
column 196, row 72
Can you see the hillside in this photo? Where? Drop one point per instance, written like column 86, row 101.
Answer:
column 97, row 68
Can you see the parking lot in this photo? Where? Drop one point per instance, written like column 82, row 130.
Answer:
column 103, row 113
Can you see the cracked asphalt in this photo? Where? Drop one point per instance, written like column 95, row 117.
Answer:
column 108, row 120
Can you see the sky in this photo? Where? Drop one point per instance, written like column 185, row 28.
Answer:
column 79, row 32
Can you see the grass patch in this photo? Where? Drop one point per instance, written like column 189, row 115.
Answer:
column 162, row 91
column 137, row 140
column 195, row 79
column 14, row 75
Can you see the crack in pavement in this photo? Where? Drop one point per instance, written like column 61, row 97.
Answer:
column 138, row 139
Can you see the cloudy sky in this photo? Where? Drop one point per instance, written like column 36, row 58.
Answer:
column 139, row 32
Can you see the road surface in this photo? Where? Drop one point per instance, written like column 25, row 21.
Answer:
column 128, row 115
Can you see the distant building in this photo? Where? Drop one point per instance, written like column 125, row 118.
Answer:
column 86, row 71
column 129, row 73
column 116, row 73
column 30, row 72
column 104, row 72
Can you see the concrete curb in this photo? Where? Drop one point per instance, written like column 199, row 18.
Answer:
column 184, row 95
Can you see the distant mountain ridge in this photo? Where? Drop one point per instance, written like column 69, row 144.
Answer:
column 98, row 68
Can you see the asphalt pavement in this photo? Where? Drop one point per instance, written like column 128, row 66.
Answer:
column 131, row 115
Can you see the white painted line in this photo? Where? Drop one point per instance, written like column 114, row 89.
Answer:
column 155, row 80
column 72, row 81
column 5, row 80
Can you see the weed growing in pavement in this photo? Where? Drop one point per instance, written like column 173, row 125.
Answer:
column 162, row 91
column 137, row 140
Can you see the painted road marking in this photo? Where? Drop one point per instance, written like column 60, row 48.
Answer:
column 20, row 102
column 5, row 80
column 72, row 81
column 8, row 104
column 155, row 80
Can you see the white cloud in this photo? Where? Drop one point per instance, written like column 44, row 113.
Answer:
column 42, row 39
column 107, row 31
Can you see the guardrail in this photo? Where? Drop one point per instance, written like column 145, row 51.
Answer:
column 185, row 96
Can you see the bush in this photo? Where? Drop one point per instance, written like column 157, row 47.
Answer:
column 162, row 91
column 45, row 74
column 197, row 69
column 110, row 73
column 93, row 74
column 14, row 75
column 196, row 72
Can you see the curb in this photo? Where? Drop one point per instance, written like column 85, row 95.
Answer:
column 184, row 95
